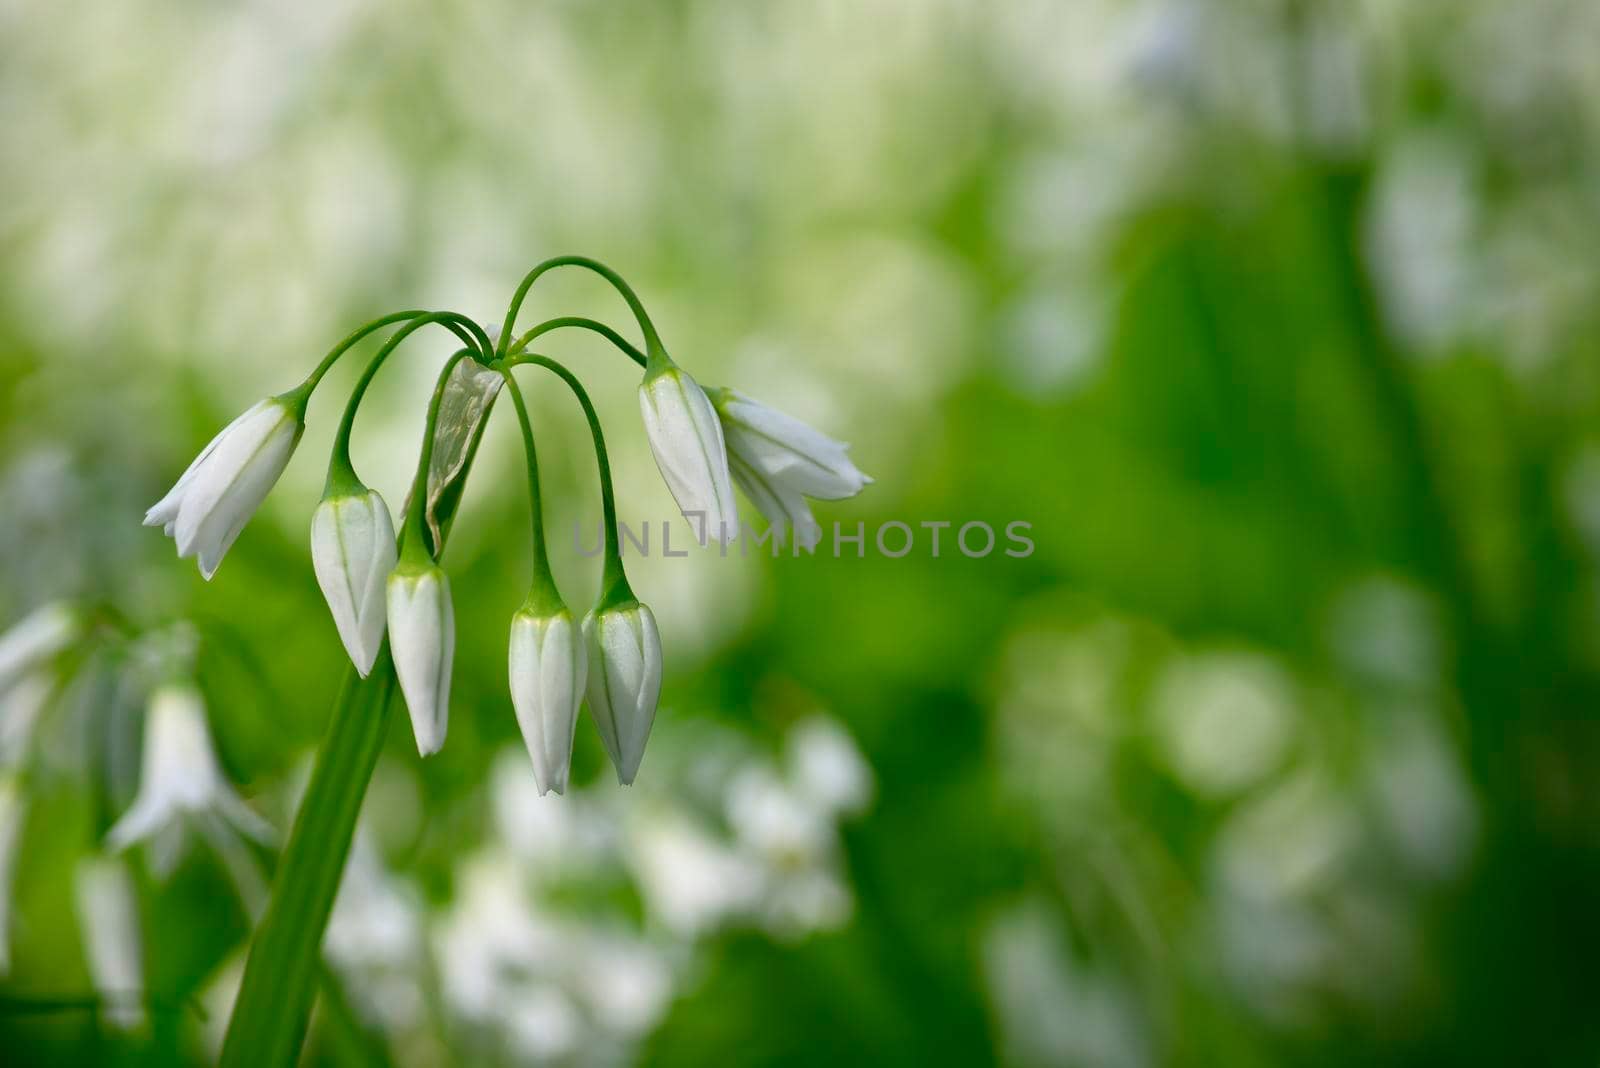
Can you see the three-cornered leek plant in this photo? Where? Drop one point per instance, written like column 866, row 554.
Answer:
column 380, row 585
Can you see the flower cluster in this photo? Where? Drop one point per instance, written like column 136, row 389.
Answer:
column 379, row 585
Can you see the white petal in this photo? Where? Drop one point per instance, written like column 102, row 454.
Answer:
column 144, row 818
column 789, row 450
column 179, row 774
column 686, row 440
column 165, row 511
column 547, row 676
column 422, row 636
column 598, row 691
column 783, row 507
column 352, row 552
column 624, row 682
column 643, row 625
column 218, row 466
column 244, row 495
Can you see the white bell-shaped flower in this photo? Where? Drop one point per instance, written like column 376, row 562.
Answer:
column 779, row 461
column 624, row 680
column 548, row 672
column 352, row 552
column 686, row 439
column 422, row 636
column 227, row 482
column 180, row 779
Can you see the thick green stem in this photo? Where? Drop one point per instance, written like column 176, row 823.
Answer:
column 614, row 587
column 652, row 343
column 280, row 976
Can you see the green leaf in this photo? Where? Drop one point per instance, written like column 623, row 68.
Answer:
column 280, row 977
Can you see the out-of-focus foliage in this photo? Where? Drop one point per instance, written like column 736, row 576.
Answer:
column 1276, row 319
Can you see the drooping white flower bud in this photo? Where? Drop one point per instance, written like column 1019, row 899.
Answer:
column 779, row 461
column 179, row 775
column 686, row 439
column 227, row 482
column 353, row 551
column 548, row 672
column 422, row 635
column 624, row 680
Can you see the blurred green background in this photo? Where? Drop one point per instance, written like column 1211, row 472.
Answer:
column 1276, row 319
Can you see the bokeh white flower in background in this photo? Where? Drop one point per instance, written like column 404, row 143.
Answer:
column 108, row 913
column 182, row 788
column 33, row 640
column 1224, row 719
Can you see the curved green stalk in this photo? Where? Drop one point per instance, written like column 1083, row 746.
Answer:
column 583, row 323
column 614, row 587
column 342, row 347
column 543, row 596
column 341, row 473
column 652, row 342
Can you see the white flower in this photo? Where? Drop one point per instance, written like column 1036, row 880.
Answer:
column 180, row 778
column 779, row 461
column 352, row 552
column 686, row 438
column 227, row 482
column 548, row 670
column 422, row 634
column 109, row 916
column 624, row 680
column 35, row 638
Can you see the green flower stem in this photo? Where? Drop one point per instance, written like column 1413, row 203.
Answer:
column 280, row 976
column 586, row 324
column 341, row 473
column 652, row 342
column 339, row 350
column 414, row 543
column 543, row 596
column 614, row 587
